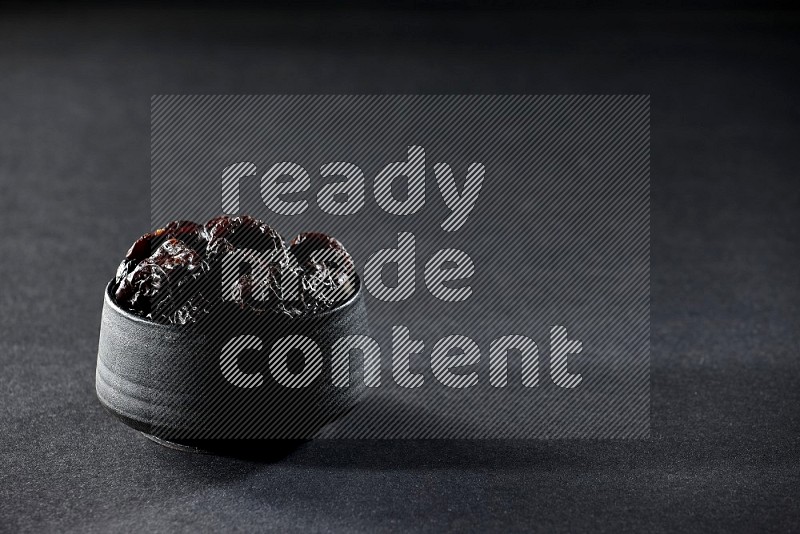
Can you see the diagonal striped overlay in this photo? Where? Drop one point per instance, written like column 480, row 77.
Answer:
column 558, row 237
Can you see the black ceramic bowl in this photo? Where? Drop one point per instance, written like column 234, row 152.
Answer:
column 168, row 381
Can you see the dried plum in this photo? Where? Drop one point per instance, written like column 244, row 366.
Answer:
column 327, row 270
column 160, row 286
column 189, row 232
column 305, row 244
column 259, row 294
column 225, row 233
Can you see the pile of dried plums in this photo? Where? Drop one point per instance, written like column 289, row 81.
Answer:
column 173, row 275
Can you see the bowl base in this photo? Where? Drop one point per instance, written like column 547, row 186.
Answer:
column 177, row 445
column 252, row 449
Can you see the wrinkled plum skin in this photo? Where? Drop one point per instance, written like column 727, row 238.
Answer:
column 189, row 232
column 223, row 234
column 161, row 285
column 324, row 277
column 172, row 275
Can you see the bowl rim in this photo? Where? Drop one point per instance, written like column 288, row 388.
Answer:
column 112, row 304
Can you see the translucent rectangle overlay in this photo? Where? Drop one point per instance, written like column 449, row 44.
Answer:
column 536, row 208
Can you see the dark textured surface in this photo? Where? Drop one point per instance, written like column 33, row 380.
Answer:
column 74, row 149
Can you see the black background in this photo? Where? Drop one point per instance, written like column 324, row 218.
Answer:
column 74, row 160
